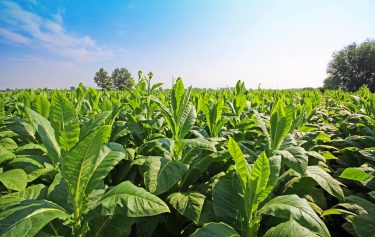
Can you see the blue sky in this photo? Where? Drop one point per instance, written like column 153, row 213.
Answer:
column 210, row 43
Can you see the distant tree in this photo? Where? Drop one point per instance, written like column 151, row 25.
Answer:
column 103, row 80
column 122, row 79
column 354, row 66
column 332, row 83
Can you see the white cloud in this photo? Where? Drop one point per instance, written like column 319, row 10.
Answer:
column 14, row 37
column 25, row 27
column 40, row 61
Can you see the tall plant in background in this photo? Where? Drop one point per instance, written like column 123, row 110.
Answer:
column 180, row 113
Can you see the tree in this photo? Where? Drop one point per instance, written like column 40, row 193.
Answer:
column 332, row 83
column 103, row 80
column 122, row 79
column 353, row 66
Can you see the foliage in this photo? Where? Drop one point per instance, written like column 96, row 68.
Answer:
column 103, row 80
column 120, row 79
column 332, row 83
column 353, row 66
column 183, row 162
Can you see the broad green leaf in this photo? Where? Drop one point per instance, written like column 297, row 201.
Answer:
column 39, row 172
column 2, row 110
column 280, row 125
column 364, row 225
column 200, row 143
column 331, row 211
column 326, row 181
column 65, row 121
column 215, row 229
column 6, row 155
column 31, row 149
column 187, row 120
column 219, row 126
column 323, row 137
column 157, row 147
column 23, row 129
column 47, row 134
column 227, row 196
column 188, row 204
column 15, row 179
column 95, row 122
column 177, row 95
column 161, row 174
column 57, row 193
column 299, row 185
column 132, row 201
column 213, row 115
column 29, row 217
column 241, row 164
column 8, row 143
column 290, row 228
column 259, row 177
column 156, row 85
column 110, row 155
column 42, row 106
column 167, row 114
column 274, row 166
column 367, row 205
column 30, row 162
column 207, row 213
column 355, row 174
column 196, row 168
column 38, row 191
column 294, row 158
column 219, row 110
column 239, row 103
column 80, row 162
column 113, row 226
column 146, row 226
column 368, row 154
column 329, row 156
column 262, row 126
column 298, row 209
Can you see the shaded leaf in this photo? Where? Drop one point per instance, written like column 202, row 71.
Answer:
column 161, row 174
column 188, row 204
column 298, row 209
column 215, row 229
column 47, row 134
column 29, row 217
column 132, row 201
column 38, row 191
column 326, row 181
column 15, row 179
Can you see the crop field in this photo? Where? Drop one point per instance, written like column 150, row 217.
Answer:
column 181, row 162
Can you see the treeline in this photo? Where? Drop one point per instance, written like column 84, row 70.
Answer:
column 120, row 79
column 352, row 67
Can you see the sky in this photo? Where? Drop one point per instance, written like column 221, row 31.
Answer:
column 209, row 43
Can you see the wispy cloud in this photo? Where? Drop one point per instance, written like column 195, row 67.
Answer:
column 40, row 61
column 14, row 37
column 21, row 26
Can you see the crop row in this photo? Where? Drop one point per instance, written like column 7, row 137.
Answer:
column 181, row 162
